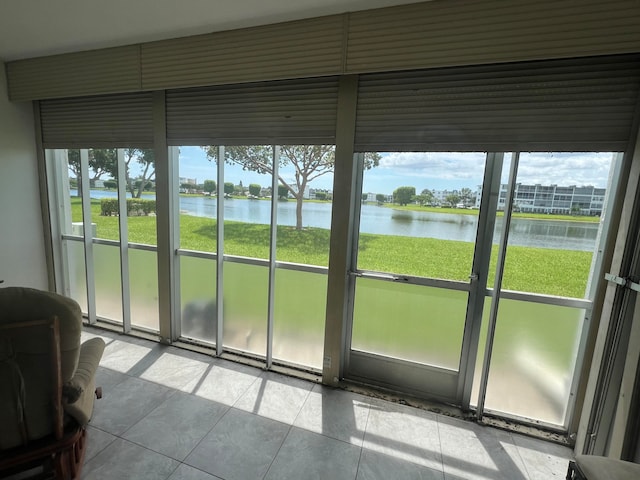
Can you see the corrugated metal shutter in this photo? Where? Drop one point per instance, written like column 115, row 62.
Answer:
column 561, row 105
column 110, row 70
column 468, row 32
column 281, row 112
column 124, row 120
column 305, row 48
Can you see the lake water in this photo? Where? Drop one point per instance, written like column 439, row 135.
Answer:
column 557, row 234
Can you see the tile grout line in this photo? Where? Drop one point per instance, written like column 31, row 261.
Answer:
column 440, row 445
column 284, row 439
column 203, row 437
column 364, row 433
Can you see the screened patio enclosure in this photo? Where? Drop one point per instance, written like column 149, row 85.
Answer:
column 475, row 303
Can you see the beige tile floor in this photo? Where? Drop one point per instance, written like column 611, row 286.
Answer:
column 171, row 414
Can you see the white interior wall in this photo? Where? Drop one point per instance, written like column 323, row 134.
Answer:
column 22, row 254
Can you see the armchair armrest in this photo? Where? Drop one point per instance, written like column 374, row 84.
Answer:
column 79, row 391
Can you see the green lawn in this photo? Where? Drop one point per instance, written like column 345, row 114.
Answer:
column 407, row 321
column 536, row 270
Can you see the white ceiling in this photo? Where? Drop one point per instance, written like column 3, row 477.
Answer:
column 31, row 28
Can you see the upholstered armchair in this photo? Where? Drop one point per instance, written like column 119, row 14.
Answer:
column 47, row 383
column 591, row 467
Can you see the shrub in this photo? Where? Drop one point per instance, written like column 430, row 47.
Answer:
column 108, row 207
column 135, row 207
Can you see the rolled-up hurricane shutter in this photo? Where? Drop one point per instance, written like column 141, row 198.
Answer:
column 123, row 120
column 301, row 111
column 563, row 105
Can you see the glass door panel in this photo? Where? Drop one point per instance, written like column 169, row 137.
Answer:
column 409, row 322
column 143, row 274
column 558, row 203
column 247, row 238
column 76, row 273
column 305, row 179
column 197, row 219
column 198, row 304
column 245, row 307
column 106, row 259
column 534, row 356
column 417, row 230
column 299, row 316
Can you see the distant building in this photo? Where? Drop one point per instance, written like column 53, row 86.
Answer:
column 440, row 198
column 189, row 181
column 567, row 200
column 373, row 198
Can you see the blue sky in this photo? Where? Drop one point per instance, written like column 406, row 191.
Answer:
column 437, row 171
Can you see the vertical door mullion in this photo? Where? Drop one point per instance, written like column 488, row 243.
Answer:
column 220, row 253
column 273, row 231
column 479, row 275
column 174, row 233
column 502, row 251
column 88, row 235
column 358, row 159
column 124, row 242
column 58, row 180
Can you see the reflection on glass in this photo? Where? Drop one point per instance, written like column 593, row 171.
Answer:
column 419, row 213
column 245, row 307
column 410, row 322
column 198, row 310
column 76, row 274
column 558, row 201
column 106, row 259
column 533, row 360
column 198, row 189
column 305, row 177
column 300, row 306
column 143, row 274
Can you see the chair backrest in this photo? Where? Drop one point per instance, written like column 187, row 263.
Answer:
column 39, row 350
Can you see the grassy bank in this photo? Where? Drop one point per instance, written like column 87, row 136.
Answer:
column 537, row 270
column 473, row 211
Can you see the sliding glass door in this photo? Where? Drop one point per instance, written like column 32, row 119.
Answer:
column 479, row 296
column 418, row 224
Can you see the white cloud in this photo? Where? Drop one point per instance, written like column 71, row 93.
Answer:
column 444, row 166
column 564, row 168
column 542, row 168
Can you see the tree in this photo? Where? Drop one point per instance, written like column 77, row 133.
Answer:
column 101, row 161
column 321, row 195
column 575, row 209
column 452, row 199
column 146, row 161
column 466, row 196
column 309, row 162
column 381, row 198
column 146, row 186
column 426, row 197
column 209, row 186
column 110, row 184
column 283, row 192
column 229, row 188
column 254, row 189
column 404, row 195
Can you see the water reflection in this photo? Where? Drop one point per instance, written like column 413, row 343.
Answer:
column 556, row 234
